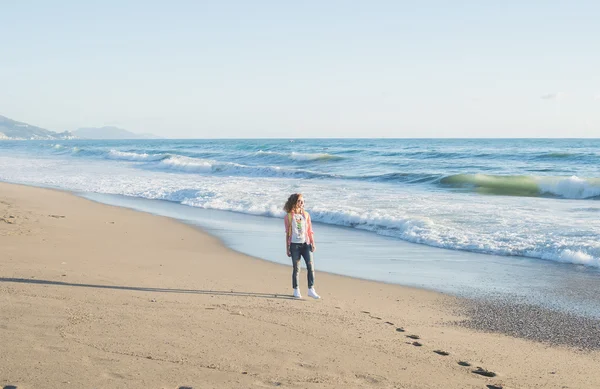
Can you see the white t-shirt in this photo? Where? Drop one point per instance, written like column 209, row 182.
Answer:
column 299, row 234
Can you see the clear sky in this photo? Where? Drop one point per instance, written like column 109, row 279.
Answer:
column 326, row 68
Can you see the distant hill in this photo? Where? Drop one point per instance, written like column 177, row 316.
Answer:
column 110, row 133
column 12, row 129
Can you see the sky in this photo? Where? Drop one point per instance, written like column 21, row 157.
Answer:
column 293, row 69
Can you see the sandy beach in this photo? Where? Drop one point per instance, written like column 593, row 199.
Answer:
column 94, row 296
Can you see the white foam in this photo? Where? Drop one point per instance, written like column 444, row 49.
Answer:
column 129, row 156
column 186, row 164
column 302, row 156
column 312, row 157
column 570, row 187
column 197, row 165
column 572, row 256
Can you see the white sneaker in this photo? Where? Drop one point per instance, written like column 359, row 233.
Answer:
column 313, row 294
column 297, row 293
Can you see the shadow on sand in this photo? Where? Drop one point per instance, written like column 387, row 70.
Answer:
column 145, row 289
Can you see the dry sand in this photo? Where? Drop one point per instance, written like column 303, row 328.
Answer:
column 93, row 296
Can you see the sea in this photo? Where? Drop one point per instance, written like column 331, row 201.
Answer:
column 500, row 218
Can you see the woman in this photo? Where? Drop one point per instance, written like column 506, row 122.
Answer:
column 299, row 241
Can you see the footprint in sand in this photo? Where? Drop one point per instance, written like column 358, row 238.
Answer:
column 10, row 387
column 9, row 220
column 371, row 378
column 479, row 370
column 493, row 386
column 483, row 372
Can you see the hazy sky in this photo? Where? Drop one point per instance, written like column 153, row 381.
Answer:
column 514, row 68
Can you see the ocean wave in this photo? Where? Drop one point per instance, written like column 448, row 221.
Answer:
column 557, row 155
column 405, row 178
column 196, row 165
column 189, row 164
column 530, row 186
column 423, row 230
column 295, row 156
column 433, row 154
column 269, row 163
column 64, row 150
column 209, row 166
column 130, row 156
column 434, row 219
column 420, row 230
column 315, row 157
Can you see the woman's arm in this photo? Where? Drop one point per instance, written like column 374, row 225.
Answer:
column 287, row 235
column 309, row 231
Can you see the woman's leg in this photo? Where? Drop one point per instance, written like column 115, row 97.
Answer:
column 308, row 259
column 295, row 250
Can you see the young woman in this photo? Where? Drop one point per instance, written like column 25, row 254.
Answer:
column 299, row 241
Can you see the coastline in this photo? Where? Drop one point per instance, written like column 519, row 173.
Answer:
column 95, row 295
column 364, row 255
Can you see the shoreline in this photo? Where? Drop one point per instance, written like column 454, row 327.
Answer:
column 159, row 297
column 343, row 250
column 224, row 245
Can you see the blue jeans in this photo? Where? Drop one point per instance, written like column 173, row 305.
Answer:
column 297, row 250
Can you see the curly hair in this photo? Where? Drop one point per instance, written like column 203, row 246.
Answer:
column 291, row 202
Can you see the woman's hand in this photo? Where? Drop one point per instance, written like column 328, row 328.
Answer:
column 313, row 247
column 289, row 253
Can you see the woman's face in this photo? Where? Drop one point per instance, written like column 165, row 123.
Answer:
column 300, row 203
